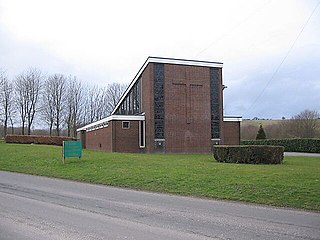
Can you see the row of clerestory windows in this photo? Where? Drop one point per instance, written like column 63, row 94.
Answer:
column 131, row 104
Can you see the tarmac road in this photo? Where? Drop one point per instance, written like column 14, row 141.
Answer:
column 296, row 154
column 33, row 207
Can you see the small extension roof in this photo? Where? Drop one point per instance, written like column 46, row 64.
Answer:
column 111, row 118
column 167, row 61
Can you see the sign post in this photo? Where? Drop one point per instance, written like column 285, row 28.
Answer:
column 71, row 149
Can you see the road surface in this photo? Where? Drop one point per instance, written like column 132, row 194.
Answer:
column 301, row 154
column 33, row 207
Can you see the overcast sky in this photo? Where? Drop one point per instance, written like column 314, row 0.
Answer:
column 270, row 48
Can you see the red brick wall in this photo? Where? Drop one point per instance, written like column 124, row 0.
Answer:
column 100, row 139
column 126, row 140
column 182, row 134
column 114, row 138
column 187, row 124
column 231, row 134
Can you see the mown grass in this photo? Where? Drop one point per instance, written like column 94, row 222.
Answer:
column 296, row 183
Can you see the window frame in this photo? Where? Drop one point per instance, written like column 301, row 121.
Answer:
column 125, row 122
column 142, row 134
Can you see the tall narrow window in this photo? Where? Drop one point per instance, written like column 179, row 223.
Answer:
column 142, row 134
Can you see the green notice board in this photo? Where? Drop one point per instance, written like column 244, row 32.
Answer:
column 72, row 149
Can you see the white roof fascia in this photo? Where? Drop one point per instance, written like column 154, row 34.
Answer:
column 232, row 119
column 127, row 117
column 114, row 117
column 185, row 62
column 167, row 61
column 93, row 124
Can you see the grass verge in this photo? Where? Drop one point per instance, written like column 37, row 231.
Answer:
column 293, row 184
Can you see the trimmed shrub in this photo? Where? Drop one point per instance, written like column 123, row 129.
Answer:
column 29, row 139
column 261, row 134
column 249, row 154
column 310, row 145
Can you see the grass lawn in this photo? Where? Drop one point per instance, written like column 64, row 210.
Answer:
column 296, row 183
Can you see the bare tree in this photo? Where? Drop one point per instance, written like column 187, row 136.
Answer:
column 21, row 102
column 47, row 108
column 94, row 94
column 75, row 102
column 6, row 100
column 113, row 94
column 101, row 101
column 102, row 104
column 53, row 101
column 303, row 125
column 12, row 118
column 28, row 86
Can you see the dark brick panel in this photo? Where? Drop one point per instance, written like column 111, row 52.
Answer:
column 158, row 101
column 215, row 102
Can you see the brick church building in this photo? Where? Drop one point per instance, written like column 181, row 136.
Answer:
column 171, row 106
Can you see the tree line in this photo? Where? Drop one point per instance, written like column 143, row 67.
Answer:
column 60, row 102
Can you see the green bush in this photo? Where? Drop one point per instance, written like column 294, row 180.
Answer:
column 249, row 154
column 261, row 134
column 310, row 145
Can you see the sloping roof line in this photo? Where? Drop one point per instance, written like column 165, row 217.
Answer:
column 167, row 61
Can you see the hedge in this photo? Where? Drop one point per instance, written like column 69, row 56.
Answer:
column 310, row 145
column 28, row 139
column 249, row 154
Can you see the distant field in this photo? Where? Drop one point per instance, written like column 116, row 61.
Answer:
column 292, row 184
column 263, row 122
column 249, row 128
column 273, row 129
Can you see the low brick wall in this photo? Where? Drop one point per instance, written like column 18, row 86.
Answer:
column 28, row 139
